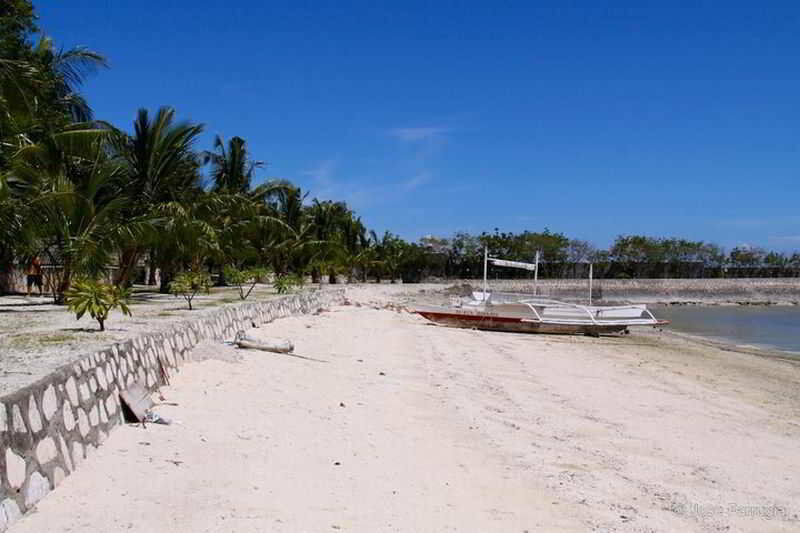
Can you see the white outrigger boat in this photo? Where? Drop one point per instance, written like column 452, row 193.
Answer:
column 517, row 313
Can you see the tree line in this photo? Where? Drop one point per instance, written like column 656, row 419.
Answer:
column 93, row 198
column 86, row 195
column 630, row 256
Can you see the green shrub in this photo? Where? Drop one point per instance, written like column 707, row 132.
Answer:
column 242, row 278
column 97, row 299
column 188, row 284
column 286, row 282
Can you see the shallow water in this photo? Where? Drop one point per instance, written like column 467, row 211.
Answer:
column 761, row 326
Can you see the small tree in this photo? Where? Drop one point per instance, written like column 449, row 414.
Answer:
column 242, row 278
column 286, row 282
column 97, row 299
column 188, row 284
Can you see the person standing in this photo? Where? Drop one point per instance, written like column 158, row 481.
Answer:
column 34, row 275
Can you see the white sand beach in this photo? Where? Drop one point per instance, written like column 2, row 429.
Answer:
column 388, row 423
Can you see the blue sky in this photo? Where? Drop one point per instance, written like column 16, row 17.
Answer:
column 436, row 117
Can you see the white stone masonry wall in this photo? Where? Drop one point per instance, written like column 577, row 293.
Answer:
column 50, row 427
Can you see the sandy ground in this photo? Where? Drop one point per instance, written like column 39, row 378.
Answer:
column 36, row 336
column 387, row 423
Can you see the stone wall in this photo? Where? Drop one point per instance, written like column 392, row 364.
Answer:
column 48, row 428
column 742, row 290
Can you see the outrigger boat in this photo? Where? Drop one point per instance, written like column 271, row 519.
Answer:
column 537, row 315
column 542, row 316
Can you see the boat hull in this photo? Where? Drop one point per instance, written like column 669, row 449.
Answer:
column 514, row 324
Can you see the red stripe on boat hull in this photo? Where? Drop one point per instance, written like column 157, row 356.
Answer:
column 514, row 324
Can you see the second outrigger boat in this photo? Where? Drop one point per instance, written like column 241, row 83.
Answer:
column 537, row 315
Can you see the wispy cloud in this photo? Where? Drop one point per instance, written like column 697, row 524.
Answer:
column 323, row 172
column 421, row 178
column 323, row 185
column 327, row 182
column 424, row 143
column 411, row 167
column 418, row 134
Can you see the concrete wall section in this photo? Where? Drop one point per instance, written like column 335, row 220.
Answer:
column 48, row 428
column 660, row 290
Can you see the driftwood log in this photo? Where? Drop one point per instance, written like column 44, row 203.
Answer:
column 267, row 345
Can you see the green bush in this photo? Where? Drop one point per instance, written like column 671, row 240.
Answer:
column 97, row 299
column 286, row 282
column 242, row 278
column 188, row 284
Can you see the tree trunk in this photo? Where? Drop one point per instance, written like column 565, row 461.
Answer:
column 151, row 279
column 64, row 284
column 166, row 277
column 127, row 262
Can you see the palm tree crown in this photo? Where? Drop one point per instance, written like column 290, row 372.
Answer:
column 232, row 170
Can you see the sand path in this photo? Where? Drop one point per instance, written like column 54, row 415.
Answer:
column 415, row 428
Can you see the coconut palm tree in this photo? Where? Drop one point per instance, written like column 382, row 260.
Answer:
column 388, row 254
column 62, row 72
column 187, row 236
column 289, row 246
column 232, row 170
column 72, row 189
column 12, row 220
column 159, row 167
column 17, row 78
column 355, row 244
column 39, row 93
column 325, row 218
column 244, row 221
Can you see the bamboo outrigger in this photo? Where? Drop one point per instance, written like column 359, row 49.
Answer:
column 538, row 315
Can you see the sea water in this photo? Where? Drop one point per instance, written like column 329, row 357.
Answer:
column 774, row 327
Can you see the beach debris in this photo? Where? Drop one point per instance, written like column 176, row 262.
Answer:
column 381, row 373
column 341, row 404
column 397, row 308
column 136, row 403
column 154, row 418
column 137, row 406
column 268, row 345
column 280, row 346
column 337, row 463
